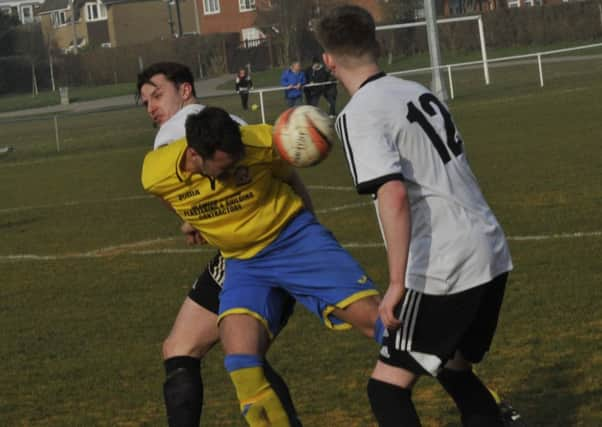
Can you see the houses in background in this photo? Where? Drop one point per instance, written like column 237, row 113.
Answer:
column 25, row 10
column 112, row 23
column 70, row 25
column 75, row 24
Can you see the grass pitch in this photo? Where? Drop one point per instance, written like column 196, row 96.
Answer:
column 94, row 271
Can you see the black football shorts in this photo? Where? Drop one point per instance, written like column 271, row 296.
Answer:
column 434, row 327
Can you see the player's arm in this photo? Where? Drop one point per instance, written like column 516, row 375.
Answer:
column 394, row 215
column 284, row 171
column 294, row 180
column 193, row 236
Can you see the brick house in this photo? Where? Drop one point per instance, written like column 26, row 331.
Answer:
column 25, row 10
column 239, row 16
column 112, row 23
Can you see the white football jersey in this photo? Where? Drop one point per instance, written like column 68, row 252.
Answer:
column 175, row 128
column 397, row 129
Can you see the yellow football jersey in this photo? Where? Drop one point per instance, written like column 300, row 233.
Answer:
column 240, row 214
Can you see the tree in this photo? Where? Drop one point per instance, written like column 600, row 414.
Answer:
column 21, row 49
column 476, row 6
column 397, row 12
column 289, row 21
column 7, row 24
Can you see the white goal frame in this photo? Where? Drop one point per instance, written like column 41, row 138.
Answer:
column 477, row 18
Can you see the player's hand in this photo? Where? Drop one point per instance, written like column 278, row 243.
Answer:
column 387, row 306
column 193, row 236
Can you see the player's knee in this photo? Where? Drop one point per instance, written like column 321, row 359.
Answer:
column 458, row 363
column 259, row 404
column 168, row 348
column 243, row 334
column 173, row 347
column 369, row 325
column 362, row 314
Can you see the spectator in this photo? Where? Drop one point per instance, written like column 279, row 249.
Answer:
column 243, row 85
column 318, row 73
column 293, row 79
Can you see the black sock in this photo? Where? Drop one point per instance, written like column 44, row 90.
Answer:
column 392, row 405
column 476, row 404
column 183, row 391
column 283, row 393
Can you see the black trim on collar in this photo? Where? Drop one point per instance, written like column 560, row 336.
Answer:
column 178, row 162
column 372, row 78
column 371, row 187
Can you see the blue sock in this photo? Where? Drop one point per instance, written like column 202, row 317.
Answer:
column 234, row 362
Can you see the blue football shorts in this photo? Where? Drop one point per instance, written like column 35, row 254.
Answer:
column 308, row 263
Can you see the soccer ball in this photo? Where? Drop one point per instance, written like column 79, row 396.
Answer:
column 304, row 135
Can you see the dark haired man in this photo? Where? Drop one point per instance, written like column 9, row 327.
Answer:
column 445, row 288
column 254, row 207
column 318, row 73
column 167, row 91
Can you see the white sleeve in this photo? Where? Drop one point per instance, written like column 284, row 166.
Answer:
column 371, row 149
column 175, row 128
column 168, row 133
column 238, row 120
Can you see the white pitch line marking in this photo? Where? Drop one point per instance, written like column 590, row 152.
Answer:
column 125, row 249
column 343, row 207
column 329, row 188
column 138, row 197
column 73, row 203
column 557, row 236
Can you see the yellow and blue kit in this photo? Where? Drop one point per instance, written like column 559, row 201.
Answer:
column 259, row 224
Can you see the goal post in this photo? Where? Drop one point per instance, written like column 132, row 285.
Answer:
column 481, row 31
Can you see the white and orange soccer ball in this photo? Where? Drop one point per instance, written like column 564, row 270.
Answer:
column 304, row 135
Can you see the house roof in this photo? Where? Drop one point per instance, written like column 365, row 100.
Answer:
column 13, row 3
column 112, row 2
column 50, row 5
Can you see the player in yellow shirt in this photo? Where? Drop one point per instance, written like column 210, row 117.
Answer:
column 230, row 204
column 166, row 89
column 227, row 182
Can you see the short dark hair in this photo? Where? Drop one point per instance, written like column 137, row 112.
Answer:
column 213, row 129
column 349, row 30
column 173, row 71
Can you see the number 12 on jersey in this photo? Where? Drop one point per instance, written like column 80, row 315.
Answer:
column 453, row 141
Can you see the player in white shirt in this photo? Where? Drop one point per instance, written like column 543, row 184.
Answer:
column 447, row 255
column 167, row 91
column 173, row 129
